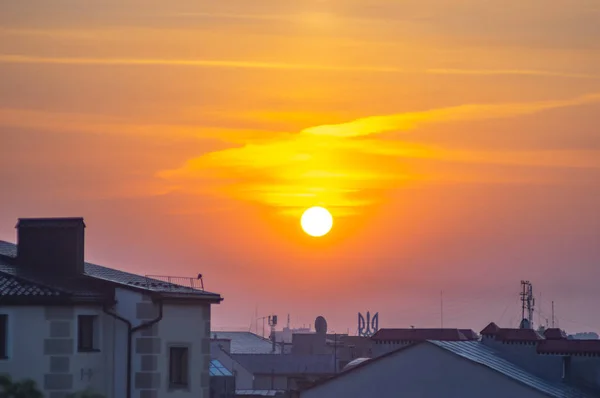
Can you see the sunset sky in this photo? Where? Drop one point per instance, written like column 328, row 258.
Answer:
column 456, row 143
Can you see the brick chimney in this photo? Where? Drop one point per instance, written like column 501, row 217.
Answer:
column 51, row 245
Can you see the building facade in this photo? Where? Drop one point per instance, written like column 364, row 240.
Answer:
column 72, row 326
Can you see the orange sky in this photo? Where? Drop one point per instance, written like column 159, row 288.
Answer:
column 456, row 144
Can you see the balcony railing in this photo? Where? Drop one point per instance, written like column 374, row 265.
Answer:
column 174, row 282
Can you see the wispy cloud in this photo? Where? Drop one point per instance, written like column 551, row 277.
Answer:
column 239, row 64
column 329, row 165
column 408, row 121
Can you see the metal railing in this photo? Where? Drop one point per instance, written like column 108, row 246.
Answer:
column 174, row 282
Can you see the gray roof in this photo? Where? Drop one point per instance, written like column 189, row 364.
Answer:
column 13, row 286
column 260, row 393
column 286, row 364
column 18, row 282
column 477, row 352
column 248, row 343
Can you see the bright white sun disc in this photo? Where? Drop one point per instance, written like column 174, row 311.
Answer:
column 316, row 221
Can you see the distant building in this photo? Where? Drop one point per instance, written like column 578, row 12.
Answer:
column 432, row 369
column 70, row 325
column 387, row 340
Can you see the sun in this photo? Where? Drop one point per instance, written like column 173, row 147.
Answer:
column 316, row 221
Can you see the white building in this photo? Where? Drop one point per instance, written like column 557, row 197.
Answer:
column 70, row 325
column 433, row 369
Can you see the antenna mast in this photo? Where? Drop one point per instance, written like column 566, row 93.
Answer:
column 553, row 313
column 527, row 303
column 442, row 308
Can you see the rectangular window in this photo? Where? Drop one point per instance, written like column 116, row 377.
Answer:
column 86, row 333
column 178, row 367
column 3, row 336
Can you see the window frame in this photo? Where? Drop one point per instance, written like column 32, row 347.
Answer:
column 185, row 367
column 95, row 333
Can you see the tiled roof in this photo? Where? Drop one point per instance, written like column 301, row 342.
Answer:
column 477, row 352
column 569, row 347
column 93, row 282
column 142, row 282
column 490, row 329
column 20, row 284
column 247, row 343
column 13, row 286
column 521, row 335
column 554, row 334
column 511, row 335
column 286, row 364
column 418, row 334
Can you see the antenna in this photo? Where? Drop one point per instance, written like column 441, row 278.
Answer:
column 527, row 302
column 553, row 313
column 442, row 308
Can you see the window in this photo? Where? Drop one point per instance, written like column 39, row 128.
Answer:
column 178, row 367
column 3, row 336
column 87, row 337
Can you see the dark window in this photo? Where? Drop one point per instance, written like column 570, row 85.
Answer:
column 3, row 336
column 178, row 367
column 86, row 328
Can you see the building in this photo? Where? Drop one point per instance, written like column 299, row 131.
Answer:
column 285, row 372
column 551, row 355
column 387, row 340
column 222, row 381
column 431, row 369
column 70, row 325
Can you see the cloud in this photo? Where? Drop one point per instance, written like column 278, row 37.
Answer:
column 239, row 64
column 340, row 167
column 408, row 121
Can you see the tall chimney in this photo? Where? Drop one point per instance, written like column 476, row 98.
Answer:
column 53, row 245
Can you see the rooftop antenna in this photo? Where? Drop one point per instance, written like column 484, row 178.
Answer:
column 442, row 308
column 527, row 303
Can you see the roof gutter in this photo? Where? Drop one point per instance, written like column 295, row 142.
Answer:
column 130, row 331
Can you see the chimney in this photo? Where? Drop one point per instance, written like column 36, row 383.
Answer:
column 51, row 245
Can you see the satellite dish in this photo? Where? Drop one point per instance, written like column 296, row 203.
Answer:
column 321, row 325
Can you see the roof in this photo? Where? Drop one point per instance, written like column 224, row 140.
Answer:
column 413, row 334
column 13, row 286
column 260, row 393
column 490, row 329
column 479, row 353
column 216, row 369
column 23, row 286
column 511, row 335
column 521, row 335
column 470, row 334
column 554, row 334
column 247, row 343
column 286, row 364
column 572, row 347
column 20, row 283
